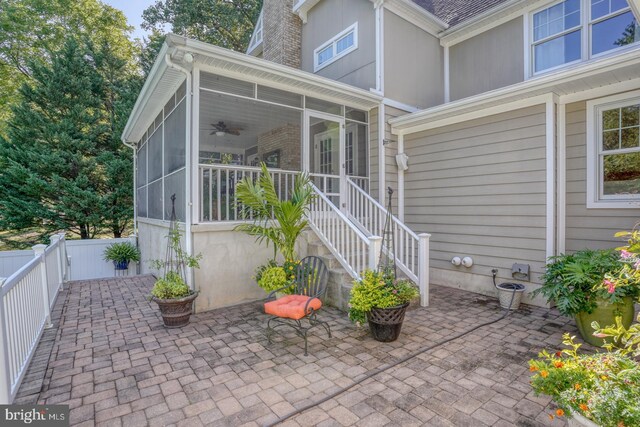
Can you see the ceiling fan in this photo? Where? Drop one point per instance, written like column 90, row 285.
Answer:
column 220, row 129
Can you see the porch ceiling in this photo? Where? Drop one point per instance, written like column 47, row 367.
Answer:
column 162, row 80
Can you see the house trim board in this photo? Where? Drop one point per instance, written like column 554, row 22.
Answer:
column 550, row 135
column 447, row 76
column 195, row 149
column 399, row 105
column 483, row 112
column 400, row 181
column 379, row 17
column 382, row 180
column 562, row 178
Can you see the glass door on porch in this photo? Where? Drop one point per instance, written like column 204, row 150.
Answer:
column 324, row 150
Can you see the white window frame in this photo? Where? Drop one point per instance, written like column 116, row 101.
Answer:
column 333, row 44
column 586, row 24
column 595, row 198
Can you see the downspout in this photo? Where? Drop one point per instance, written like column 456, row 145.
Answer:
column 188, row 171
column 135, row 190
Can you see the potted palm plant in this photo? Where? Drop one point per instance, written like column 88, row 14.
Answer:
column 275, row 221
column 121, row 254
column 382, row 300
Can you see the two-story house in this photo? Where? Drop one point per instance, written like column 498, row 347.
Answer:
column 508, row 129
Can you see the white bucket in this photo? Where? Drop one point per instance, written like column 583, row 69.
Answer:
column 509, row 299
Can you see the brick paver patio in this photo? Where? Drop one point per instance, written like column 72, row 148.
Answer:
column 115, row 364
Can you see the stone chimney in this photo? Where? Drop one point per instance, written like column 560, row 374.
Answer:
column 282, row 33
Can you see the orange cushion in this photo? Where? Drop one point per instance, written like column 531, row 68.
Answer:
column 291, row 306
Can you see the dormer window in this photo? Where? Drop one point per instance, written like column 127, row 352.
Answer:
column 577, row 30
column 335, row 48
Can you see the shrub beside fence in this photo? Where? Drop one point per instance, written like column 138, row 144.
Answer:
column 26, row 299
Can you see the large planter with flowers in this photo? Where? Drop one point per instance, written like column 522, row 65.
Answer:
column 578, row 420
column 381, row 300
column 593, row 286
column 604, row 313
column 602, row 388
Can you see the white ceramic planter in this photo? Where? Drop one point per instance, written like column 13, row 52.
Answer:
column 578, row 420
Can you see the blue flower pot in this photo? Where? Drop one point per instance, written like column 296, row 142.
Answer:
column 121, row 265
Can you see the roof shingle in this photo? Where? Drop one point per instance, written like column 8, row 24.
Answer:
column 454, row 12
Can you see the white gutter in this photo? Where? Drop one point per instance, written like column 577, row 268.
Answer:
column 188, row 168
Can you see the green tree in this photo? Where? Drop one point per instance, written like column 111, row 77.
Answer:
column 225, row 23
column 30, row 29
column 62, row 166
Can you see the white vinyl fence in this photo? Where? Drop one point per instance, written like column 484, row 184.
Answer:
column 26, row 299
column 12, row 261
column 86, row 258
column 27, row 295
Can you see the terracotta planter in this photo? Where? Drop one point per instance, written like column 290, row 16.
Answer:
column 385, row 323
column 605, row 314
column 578, row 420
column 176, row 312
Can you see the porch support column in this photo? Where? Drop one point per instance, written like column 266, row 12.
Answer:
column 562, row 177
column 400, row 180
column 550, row 154
column 381, row 155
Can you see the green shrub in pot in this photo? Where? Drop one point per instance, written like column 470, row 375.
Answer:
column 121, row 254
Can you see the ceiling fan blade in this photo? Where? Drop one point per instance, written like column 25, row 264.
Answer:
column 235, row 132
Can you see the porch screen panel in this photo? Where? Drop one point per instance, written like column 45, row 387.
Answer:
column 279, row 96
column 141, row 201
column 174, row 139
column 155, row 200
column 356, row 149
column 175, row 184
column 155, row 155
column 227, row 84
column 141, row 165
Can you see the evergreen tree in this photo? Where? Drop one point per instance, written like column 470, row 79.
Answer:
column 62, row 166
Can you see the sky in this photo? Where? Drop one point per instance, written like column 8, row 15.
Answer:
column 133, row 10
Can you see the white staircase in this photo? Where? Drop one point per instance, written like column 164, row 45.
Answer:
column 350, row 242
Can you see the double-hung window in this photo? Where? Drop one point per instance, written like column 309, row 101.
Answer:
column 613, row 153
column 338, row 46
column 576, row 30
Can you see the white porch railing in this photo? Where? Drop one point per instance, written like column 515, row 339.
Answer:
column 411, row 250
column 350, row 246
column 26, row 299
column 218, row 189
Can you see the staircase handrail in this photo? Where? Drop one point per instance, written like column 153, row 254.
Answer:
column 347, row 244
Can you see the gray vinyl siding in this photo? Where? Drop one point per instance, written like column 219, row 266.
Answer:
column 479, row 188
column 487, row 61
column 587, row 228
column 413, row 64
column 327, row 19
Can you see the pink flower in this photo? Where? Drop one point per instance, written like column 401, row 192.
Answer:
column 625, row 254
column 599, row 335
column 395, row 291
column 611, row 287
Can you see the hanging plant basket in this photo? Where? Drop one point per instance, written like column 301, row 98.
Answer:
column 385, row 323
